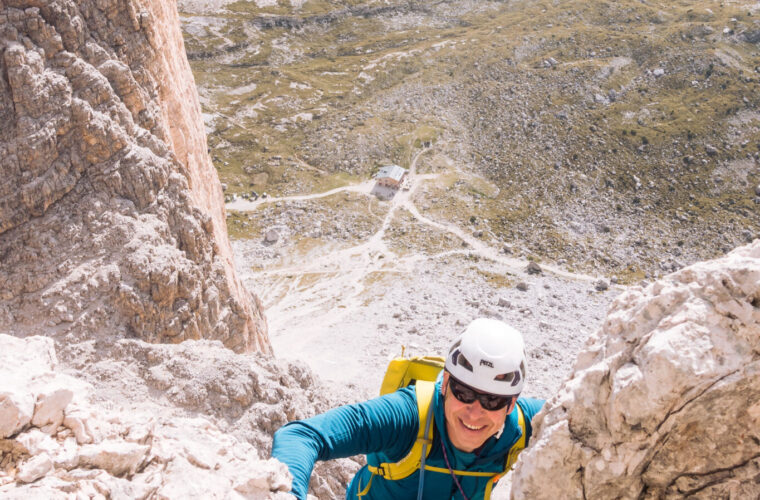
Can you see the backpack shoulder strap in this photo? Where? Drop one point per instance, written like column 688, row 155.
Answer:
column 411, row 462
column 513, row 452
column 520, row 444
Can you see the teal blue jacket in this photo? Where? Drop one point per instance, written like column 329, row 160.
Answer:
column 384, row 429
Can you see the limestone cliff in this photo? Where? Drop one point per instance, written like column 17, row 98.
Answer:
column 111, row 214
column 665, row 400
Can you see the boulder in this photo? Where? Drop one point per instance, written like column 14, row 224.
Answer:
column 77, row 422
column 115, row 456
column 26, row 362
column 32, row 392
column 51, row 402
column 752, row 36
column 34, row 468
column 664, row 401
column 36, row 442
column 503, row 302
column 533, row 268
column 271, row 236
column 16, row 408
column 263, row 477
column 601, row 285
column 150, row 447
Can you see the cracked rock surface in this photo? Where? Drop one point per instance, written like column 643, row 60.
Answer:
column 664, row 401
column 111, row 214
column 152, row 421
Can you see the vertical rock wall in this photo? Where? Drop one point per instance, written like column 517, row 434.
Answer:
column 111, row 214
column 665, row 401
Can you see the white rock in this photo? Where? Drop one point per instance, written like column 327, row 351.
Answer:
column 31, row 356
column 90, row 426
column 51, row 402
column 36, row 442
column 141, row 432
column 116, row 457
column 16, row 406
column 205, row 457
column 34, row 468
column 21, row 362
column 662, row 392
column 182, row 480
column 67, row 456
column 262, row 477
column 77, row 422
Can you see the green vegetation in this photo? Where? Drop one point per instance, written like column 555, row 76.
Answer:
column 407, row 236
column 570, row 129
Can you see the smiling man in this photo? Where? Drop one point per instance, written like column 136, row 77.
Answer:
column 474, row 421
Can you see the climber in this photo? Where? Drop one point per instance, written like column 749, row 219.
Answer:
column 476, row 432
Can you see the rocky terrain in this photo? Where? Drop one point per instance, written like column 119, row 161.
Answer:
column 150, row 421
column 556, row 154
column 608, row 143
column 113, row 233
column 664, row 400
column 111, row 217
column 61, row 444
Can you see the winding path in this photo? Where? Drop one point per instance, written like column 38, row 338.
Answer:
column 309, row 302
column 366, row 256
column 243, row 205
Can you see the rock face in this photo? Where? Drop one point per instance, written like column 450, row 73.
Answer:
column 112, row 239
column 193, row 420
column 111, row 214
column 115, row 454
column 665, row 401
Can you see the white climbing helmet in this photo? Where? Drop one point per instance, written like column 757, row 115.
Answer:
column 489, row 356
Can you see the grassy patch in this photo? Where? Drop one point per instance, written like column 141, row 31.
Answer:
column 406, row 236
column 618, row 112
column 498, row 280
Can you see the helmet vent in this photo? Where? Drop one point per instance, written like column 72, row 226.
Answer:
column 513, row 377
column 459, row 360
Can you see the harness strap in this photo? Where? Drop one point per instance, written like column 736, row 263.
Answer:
column 520, row 444
column 366, row 488
column 512, row 456
column 414, row 460
column 461, row 472
column 425, row 453
column 411, row 462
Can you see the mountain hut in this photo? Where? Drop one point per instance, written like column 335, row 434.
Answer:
column 391, row 176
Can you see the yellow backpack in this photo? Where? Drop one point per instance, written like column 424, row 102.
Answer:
column 422, row 371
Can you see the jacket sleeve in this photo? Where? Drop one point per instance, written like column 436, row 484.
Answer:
column 386, row 424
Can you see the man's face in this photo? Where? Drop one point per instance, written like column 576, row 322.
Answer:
column 469, row 425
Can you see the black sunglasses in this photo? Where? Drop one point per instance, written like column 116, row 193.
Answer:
column 468, row 395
